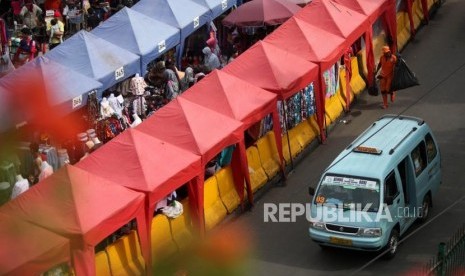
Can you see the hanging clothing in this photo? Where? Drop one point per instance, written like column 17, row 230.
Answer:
column 63, row 157
column 116, row 105
column 139, row 105
column 105, row 108
column 124, row 87
column 45, row 170
column 20, row 187
column 51, row 156
column 137, row 86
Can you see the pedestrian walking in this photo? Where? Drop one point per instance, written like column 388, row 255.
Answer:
column 387, row 64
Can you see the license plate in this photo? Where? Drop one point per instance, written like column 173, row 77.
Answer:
column 340, row 241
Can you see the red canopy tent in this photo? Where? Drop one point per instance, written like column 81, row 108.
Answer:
column 306, row 41
column 338, row 20
column 374, row 10
column 335, row 18
column 258, row 13
column 84, row 208
column 273, row 69
column 27, row 249
column 237, row 99
column 201, row 131
column 151, row 166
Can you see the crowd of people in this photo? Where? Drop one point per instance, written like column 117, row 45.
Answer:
column 36, row 26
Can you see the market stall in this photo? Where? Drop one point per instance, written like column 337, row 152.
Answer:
column 96, row 58
column 185, row 15
column 237, row 99
column 312, row 44
column 84, row 208
column 345, row 23
column 386, row 10
column 283, row 73
column 139, row 34
column 61, row 89
column 199, row 130
column 217, row 7
column 150, row 166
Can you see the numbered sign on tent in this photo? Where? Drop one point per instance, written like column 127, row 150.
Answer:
column 119, row 73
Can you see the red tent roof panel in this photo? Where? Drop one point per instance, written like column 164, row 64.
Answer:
column 29, row 249
column 231, row 96
column 273, row 69
column 334, row 18
column 193, row 127
column 148, row 163
column 74, row 202
column 310, row 42
column 370, row 8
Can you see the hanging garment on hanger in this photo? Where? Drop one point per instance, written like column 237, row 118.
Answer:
column 115, row 105
column 138, row 86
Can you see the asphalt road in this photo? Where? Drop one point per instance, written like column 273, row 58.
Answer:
column 437, row 55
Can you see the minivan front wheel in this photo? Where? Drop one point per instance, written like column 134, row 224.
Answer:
column 392, row 244
column 425, row 208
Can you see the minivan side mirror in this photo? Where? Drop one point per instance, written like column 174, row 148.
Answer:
column 311, row 191
column 389, row 200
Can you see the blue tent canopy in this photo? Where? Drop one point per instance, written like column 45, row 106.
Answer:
column 185, row 15
column 217, row 7
column 96, row 58
column 139, row 34
column 65, row 90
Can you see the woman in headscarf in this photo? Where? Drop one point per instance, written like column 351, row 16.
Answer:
column 211, row 60
column 187, row 80
column 172, row 84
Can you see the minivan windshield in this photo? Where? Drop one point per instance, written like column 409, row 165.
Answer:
column 349, row 193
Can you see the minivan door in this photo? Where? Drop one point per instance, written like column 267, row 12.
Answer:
column 407, row 213
column 394, row 196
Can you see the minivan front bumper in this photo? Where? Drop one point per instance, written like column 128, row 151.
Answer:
column 347, row 241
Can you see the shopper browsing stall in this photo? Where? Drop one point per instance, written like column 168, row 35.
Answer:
column 55, row 30
column 27, row 49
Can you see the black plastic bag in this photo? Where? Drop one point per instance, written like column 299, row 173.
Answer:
column 403, row 76
column 374, row 89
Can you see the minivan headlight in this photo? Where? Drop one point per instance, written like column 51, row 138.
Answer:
column 371, row 232
column 317, row 225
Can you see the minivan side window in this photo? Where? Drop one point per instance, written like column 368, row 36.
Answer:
column 390, row 186
column 431, row 150
column 419, row 158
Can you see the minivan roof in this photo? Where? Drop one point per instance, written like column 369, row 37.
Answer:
column 373, row 153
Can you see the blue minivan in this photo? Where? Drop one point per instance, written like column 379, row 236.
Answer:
column 377, row 187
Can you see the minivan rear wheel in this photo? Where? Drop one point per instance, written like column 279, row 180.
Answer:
column 392, row 244
column 425, row 208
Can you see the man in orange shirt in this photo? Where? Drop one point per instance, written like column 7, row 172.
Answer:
column 386, row 63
